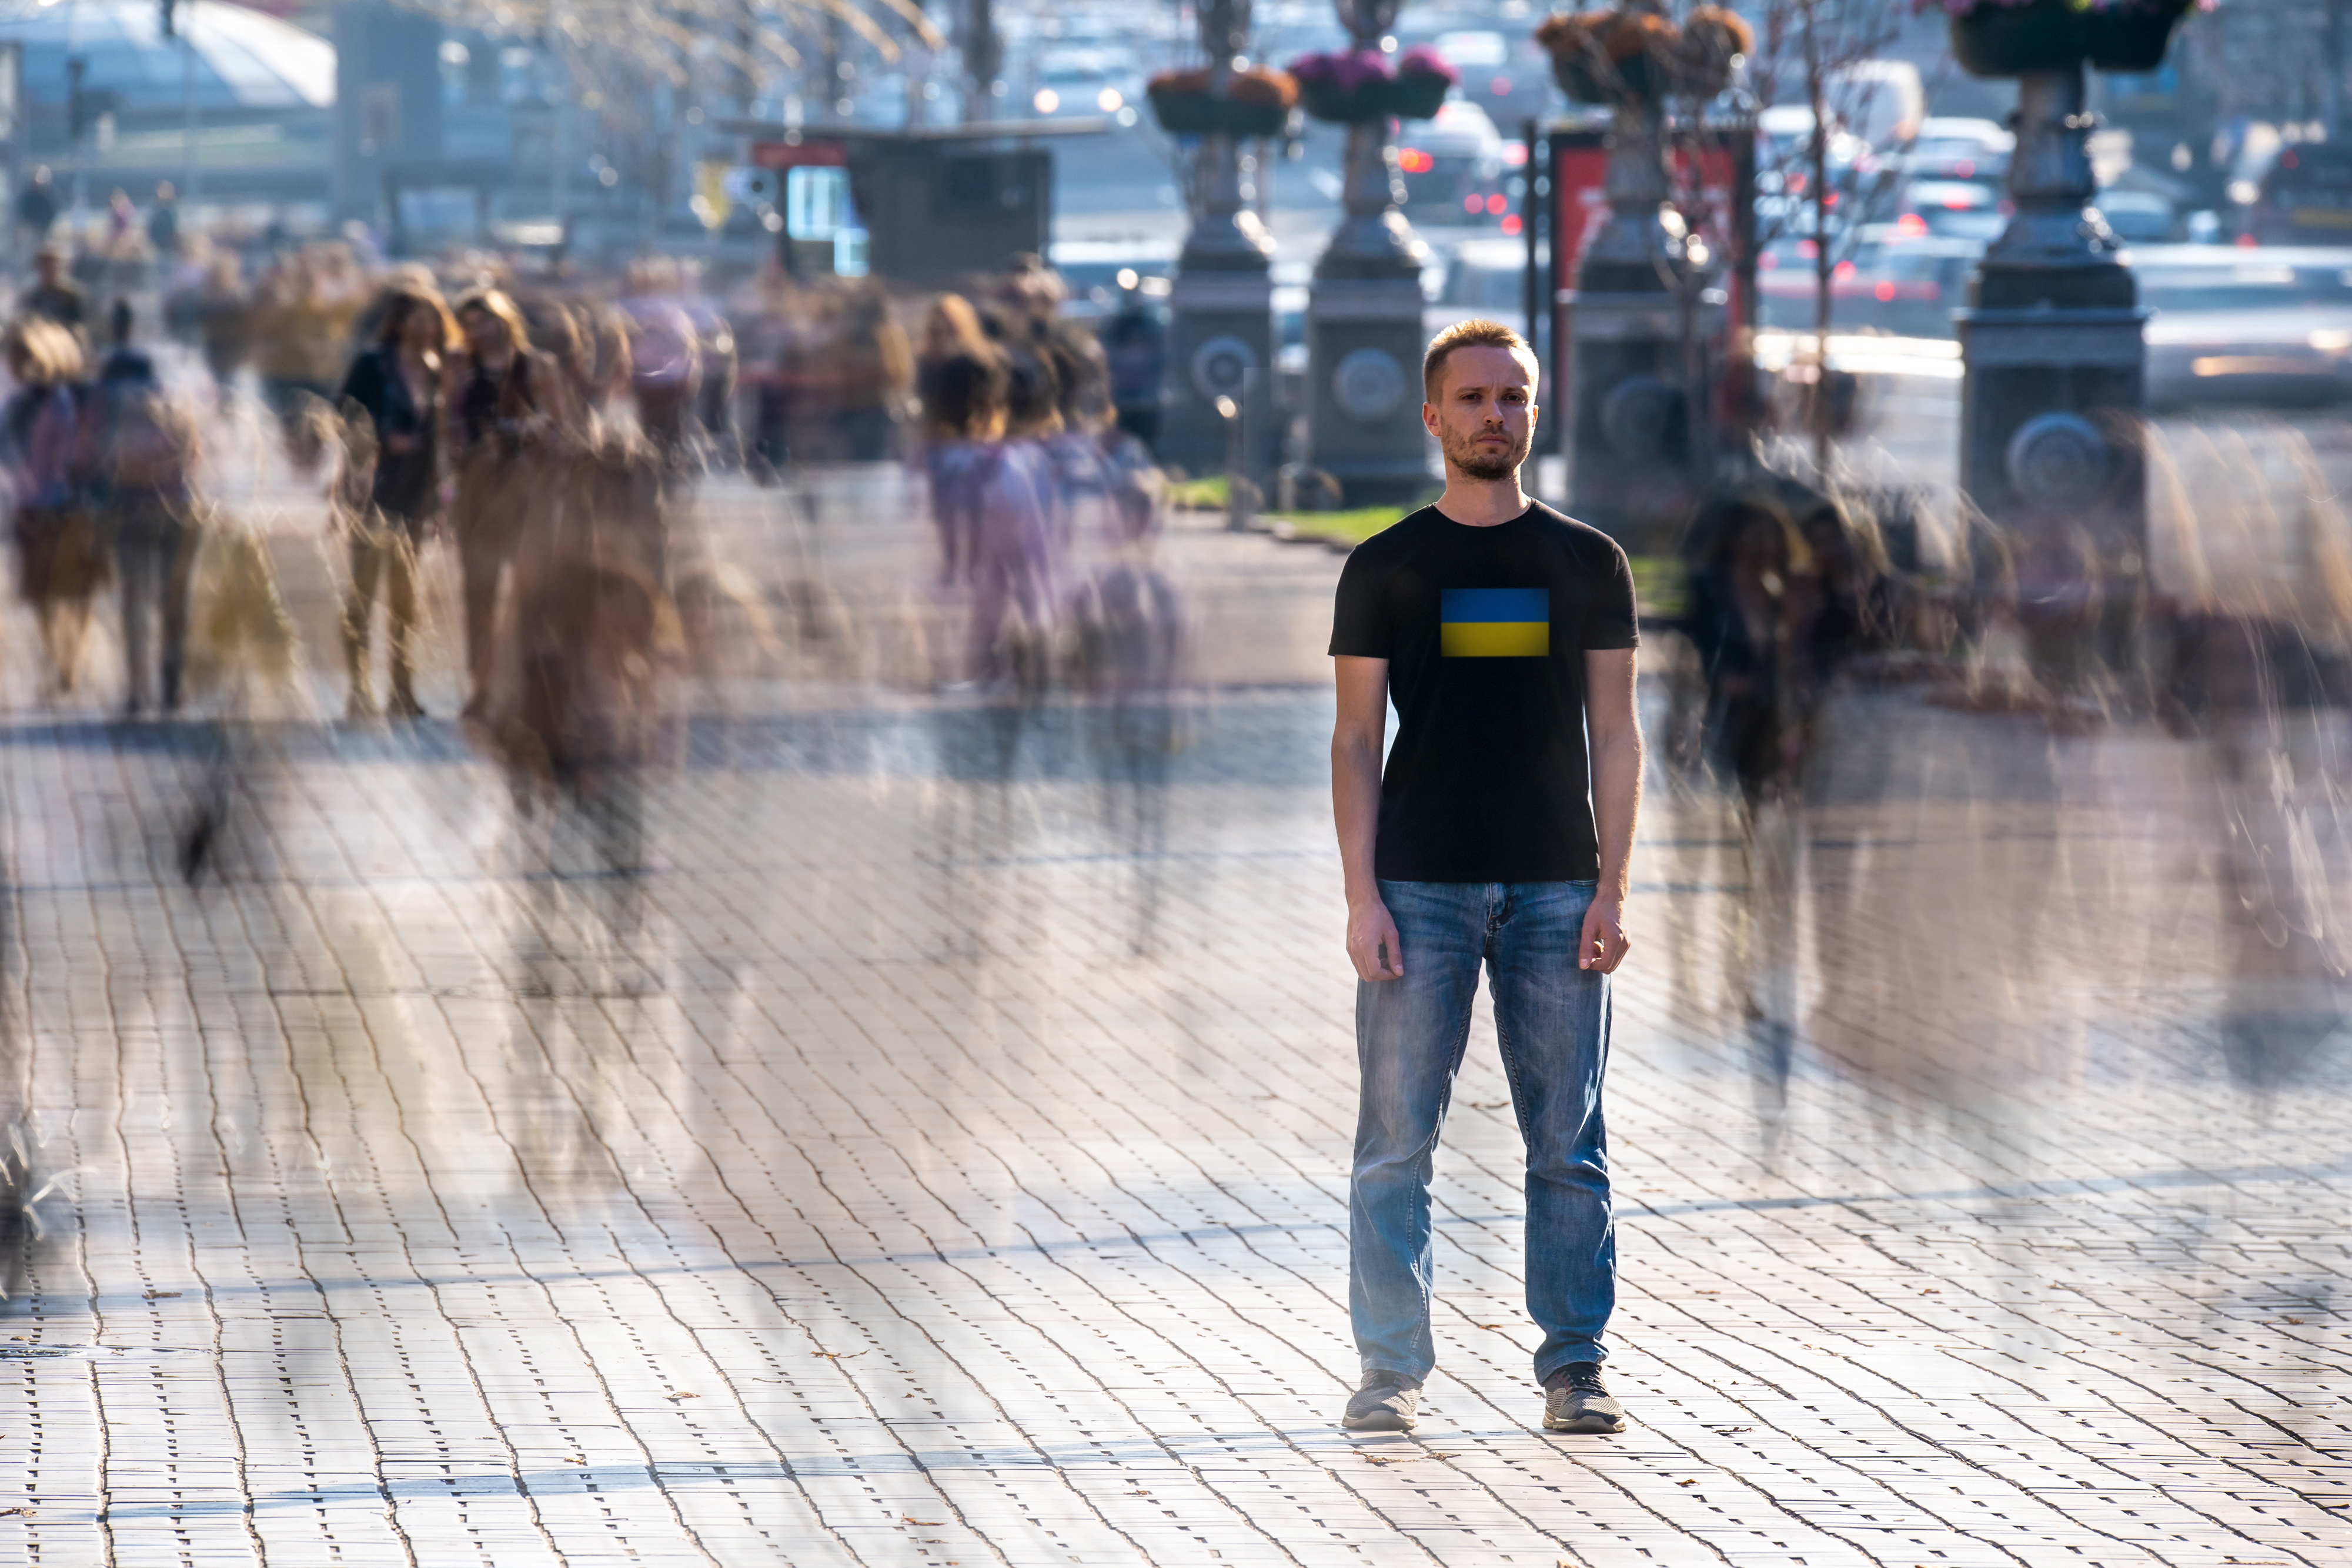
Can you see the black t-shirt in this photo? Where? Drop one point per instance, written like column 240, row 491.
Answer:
column 1485, row 630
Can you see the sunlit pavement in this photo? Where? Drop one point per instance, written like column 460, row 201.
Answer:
column 939, row 1155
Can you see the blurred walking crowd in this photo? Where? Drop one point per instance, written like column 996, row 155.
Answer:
column 553, row 433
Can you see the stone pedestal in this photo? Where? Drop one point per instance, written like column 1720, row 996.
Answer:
column 1636, row 327
column 1223, row 341
column 1364, row 338
column 2051, row 405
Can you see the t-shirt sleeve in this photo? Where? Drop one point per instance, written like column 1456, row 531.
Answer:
column 1359, row 618
column 1611, row 621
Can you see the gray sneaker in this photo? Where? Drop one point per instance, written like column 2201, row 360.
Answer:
column 1383, row 1403
column 1576, row 1400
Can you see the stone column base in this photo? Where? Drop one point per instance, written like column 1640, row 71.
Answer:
column 1364, row 344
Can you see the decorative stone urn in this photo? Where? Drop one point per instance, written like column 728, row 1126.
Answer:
column 1364, row 337
column 2055, row 365
column 1221, row 344
column 1641, row 327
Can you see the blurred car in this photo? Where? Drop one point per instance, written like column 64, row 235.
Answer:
column 1784, row 170
column 1085, row 82
column 2229, row 325
column 1454, row 168
column 1098, row 273
column 1510, row 79
column 2305, row 197
column 1881, row 101
column 1952, row 209
column 1949, row 148
column 1487, row 278
column 1895, row 280
column 2139, row 217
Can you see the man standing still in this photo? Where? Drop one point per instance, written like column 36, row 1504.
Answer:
column 1505, row 632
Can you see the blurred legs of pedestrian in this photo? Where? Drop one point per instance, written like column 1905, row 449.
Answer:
column 487, row 521
column 60, row 566
column 383, row 551
column 154, row 554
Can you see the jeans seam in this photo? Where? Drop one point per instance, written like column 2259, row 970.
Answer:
column 1425, row 1336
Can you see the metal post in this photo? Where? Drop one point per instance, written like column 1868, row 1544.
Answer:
column 191, row 159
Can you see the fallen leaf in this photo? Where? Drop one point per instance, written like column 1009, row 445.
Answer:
column 840, row 1354
column 676, row 1397
column 926, row 1524
column 1692, row 1482
column 575, row 1461
column 1493, row 1325
column 1710, row 1293
column 1931, row 1291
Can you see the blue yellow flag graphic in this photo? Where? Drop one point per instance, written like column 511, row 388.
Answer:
column 1495, row 622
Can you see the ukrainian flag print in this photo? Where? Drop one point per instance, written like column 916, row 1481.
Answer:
column 1495, row 622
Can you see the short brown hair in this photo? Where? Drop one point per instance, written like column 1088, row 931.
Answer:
column 1475, row 333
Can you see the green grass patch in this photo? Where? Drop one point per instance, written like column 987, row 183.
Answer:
column 1661, row 585
column 1209, row 495
column 1355, row 527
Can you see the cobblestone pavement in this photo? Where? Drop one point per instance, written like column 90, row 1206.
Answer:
column 939, row 1156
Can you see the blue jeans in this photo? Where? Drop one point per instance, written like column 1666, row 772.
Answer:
column 1553, row 1020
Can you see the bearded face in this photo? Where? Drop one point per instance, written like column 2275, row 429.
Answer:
column 1475, row 453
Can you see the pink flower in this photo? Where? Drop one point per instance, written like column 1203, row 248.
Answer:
column 1423, row 61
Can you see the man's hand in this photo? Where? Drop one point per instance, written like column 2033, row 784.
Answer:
column 1372, row 944
column 1605, row 943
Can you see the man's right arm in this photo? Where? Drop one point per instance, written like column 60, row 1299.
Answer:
column 1356, row 740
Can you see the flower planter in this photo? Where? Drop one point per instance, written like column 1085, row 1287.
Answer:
column 2131, row 40
column 1995, row 40
column 2010, row 40
column 1201, row 114
column 1583, row 84
column 1409, row 96
column 1633, row 57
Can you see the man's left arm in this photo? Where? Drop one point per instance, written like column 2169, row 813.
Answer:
column 1615, row 735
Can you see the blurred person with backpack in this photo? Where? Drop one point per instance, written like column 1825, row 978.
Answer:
column 138, row 455
column 59, row 563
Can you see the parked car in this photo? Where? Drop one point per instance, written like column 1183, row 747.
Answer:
column 1486, row 277
column 2305, row 197
column 1953, row 209
column 1096, row 272
column 1454, row 168
column 1951, row 148
column 2139, row 217
column 1895, row 281
column 2270, row 326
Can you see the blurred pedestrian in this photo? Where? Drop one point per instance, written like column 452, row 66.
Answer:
column 1017, row 534
column 1507, row 633
column 54, row 297
column 1136, row 341
column 140, row 455
column 878, row 375
column 496, row 397
column 163, row 223
column 397, row 383
column 36, row 207
column 953, row 345
column 60, row 564
column 964, row 410
column 224, row 321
